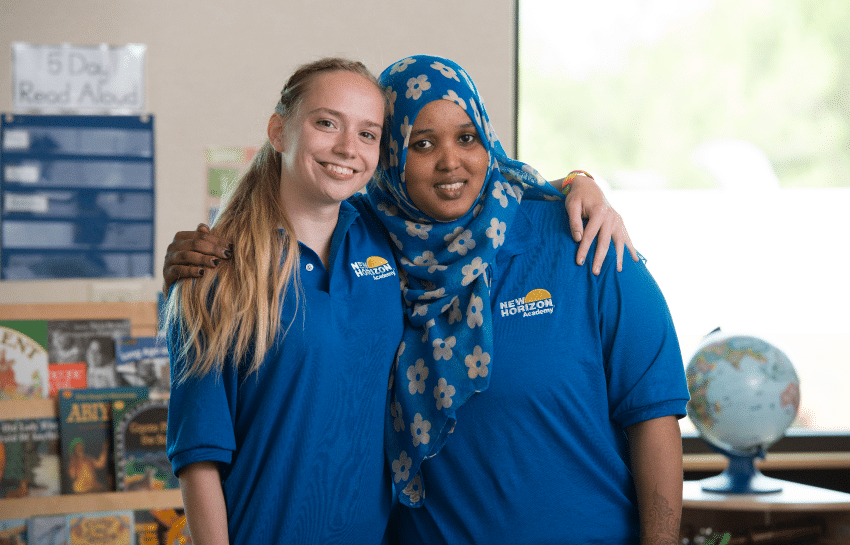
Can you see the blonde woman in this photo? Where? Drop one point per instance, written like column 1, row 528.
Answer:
column 280, row 356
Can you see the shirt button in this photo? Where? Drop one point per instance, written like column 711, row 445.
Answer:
column 309, row 267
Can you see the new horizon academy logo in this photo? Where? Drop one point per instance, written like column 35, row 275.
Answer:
column 538, row 301
column 376, row 267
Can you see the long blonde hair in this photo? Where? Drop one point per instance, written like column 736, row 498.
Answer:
column 233, row 312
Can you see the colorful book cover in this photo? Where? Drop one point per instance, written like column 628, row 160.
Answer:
column 29, row 457
column 23, row 359
column 140, row 459
column 161, row 527
column 90, row 341
column 13, row 531
column 109, row 528
column 51, row 530
column 85, row 437
column 143, row 361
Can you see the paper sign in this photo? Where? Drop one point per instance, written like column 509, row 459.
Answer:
column 78, row 79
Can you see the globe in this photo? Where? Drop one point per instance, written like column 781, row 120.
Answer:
column 744, row 395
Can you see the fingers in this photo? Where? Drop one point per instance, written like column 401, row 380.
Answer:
column 591, row 230
column 202, row 228
column 603, row 241
column 173, row 273
column 573, row 207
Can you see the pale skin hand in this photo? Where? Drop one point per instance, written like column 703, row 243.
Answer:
column 203, row 502
column 192, row 252
column 586, row 200
column 656, row 451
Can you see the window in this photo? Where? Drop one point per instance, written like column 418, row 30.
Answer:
column 721, row 131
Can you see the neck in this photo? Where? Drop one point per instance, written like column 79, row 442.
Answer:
column 314, row 228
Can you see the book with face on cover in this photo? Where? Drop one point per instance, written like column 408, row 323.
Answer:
column 140, row 459
column 90, row 341
column 29, row 457
column 23, row 359
column 109, row 528
column 86, row 434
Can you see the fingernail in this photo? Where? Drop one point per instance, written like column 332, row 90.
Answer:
column 215, row 262
column 201, row 272
column 581, row 261
column 228, row 254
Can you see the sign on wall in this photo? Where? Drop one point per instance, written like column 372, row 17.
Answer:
column 78, row 79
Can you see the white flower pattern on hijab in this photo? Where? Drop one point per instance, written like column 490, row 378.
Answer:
column 444, row 269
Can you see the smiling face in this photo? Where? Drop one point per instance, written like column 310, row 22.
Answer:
column 330, row 144
column 446, row 163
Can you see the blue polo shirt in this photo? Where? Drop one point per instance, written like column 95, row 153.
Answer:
column 541, row 456
column 300, row 443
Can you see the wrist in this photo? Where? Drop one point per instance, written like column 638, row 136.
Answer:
column 567, row 183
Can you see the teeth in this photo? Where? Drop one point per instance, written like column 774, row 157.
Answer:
column 451, row 187
column 336, row 169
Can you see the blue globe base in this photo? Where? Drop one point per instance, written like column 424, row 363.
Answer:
column 742, row 477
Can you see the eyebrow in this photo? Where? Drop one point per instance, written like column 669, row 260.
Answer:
column 341, row 115
column 469, row 125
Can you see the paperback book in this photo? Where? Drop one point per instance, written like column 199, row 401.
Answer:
column 140, row 459
column 143, row 361
column 89, row 341
column 85, row 434
column 29, row 457
column 23, row 359
column 109, row 528
column 13, row 531
column 50, row 530
column 161, row 527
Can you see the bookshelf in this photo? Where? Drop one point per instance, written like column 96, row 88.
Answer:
column 143, row 321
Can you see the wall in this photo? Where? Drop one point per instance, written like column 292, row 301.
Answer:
column 214, row 69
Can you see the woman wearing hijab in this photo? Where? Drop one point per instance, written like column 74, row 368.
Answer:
column 530, row 402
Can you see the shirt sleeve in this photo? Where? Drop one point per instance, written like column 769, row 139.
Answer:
column 644, row 368
column 200, row 417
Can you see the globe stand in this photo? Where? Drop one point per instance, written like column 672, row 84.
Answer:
column 741, row 476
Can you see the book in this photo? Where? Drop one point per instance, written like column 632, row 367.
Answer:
column 140, row 459
column 13, row 531
column 107, row 528
column 64, row 376
column 29, row 457
column 143, row 361
column 85, row 437
column 161, row 527
column 23, row 359
column 89, row 341
column 48, row 530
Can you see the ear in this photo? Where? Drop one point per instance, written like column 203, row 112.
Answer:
column 275, row 131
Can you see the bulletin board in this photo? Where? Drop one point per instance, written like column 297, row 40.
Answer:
column 77, row 196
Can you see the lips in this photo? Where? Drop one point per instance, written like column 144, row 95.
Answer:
column 450, row 189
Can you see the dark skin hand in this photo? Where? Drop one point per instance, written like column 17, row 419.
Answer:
column 196, row 251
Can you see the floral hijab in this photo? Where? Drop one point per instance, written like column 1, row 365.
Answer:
column 445, row 354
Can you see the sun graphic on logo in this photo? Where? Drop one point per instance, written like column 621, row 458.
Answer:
column 537, row 295
column 375, row 261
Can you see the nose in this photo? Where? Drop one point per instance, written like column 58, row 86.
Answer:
column 345, row 145
column 448, row 159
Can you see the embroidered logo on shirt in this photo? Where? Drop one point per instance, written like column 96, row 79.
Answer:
column 538, row 301
column 376, row 267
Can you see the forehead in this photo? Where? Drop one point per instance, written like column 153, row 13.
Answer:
column 441, row 114
column 345, row 92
